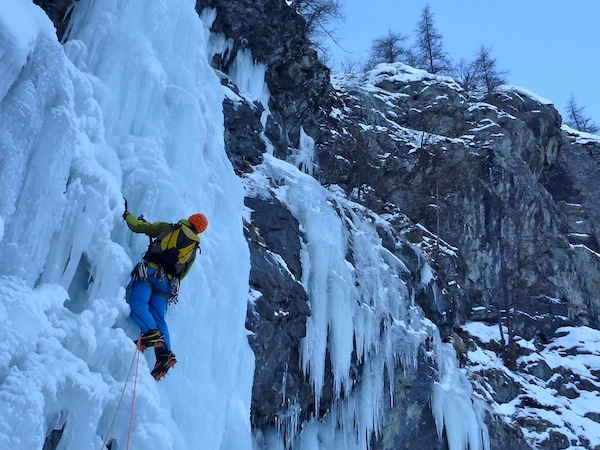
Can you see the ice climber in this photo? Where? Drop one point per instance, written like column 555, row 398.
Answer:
column 155, row 280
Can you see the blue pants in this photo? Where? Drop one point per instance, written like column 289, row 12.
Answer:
column 148, row 299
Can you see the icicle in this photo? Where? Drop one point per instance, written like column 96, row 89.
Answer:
column 249, row 76
column 217, row 43
column 287, row 423
column 303, row 159
column 453, row 406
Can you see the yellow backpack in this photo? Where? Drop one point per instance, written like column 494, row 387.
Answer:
column 174, row 250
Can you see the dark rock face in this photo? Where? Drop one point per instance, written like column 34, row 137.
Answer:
column 409, row 423
column 298, row 82
column 441, row 301
column 242, row 130
column 53, row 439
column 572, row 182
column 277, row 317
column 470, row 173
column 59, row 12
column 505, row 437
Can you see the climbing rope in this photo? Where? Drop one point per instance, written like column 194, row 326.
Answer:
column 136, row 352
column 134, row 389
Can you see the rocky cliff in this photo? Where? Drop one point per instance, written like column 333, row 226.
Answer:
column 491, row 193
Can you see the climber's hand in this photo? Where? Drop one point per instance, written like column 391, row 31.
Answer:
column 126, row 212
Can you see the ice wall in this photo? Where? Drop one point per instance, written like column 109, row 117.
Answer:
column 363, row 324
column 362, row 318
column 127, row 107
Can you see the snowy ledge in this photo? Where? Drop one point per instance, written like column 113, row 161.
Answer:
column 581, row 137
column 507, row 88
column 392, row 73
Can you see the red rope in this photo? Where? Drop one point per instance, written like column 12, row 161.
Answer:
column 105, row 441
column 137, row 366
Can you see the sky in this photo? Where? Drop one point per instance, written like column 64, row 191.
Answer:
column 549, row 47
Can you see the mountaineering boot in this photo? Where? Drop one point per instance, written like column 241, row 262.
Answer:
column 152, row 338
column 165, row 359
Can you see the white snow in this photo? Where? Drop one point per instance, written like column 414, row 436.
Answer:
column 21, row 27
column 527, row 93
column 573, row 359
column 581, row 137
column 485, row 333
column 399, row 72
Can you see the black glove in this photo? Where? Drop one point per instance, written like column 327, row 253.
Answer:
column 174, row 290
column 126, row 212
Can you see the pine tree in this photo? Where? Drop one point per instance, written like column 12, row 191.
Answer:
column 577, row 119
column 429, row 53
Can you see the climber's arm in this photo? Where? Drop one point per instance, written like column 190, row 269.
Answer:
column 152, row 229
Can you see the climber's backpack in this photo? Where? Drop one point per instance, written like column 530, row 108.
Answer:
column 174, row 250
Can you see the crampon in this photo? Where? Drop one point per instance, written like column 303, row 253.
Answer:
column 164, row 361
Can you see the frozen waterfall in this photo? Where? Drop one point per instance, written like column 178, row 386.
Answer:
column 124, row 108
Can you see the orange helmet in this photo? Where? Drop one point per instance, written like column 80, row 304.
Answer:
column 199, row 222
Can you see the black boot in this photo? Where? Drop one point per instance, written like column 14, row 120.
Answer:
column 165, row 359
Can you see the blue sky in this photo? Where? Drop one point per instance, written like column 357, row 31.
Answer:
column 550, row 47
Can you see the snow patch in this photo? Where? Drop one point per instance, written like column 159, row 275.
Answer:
column 526, row 93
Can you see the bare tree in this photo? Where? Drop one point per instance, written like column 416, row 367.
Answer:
column 388, row 49
column 429, row 52
column 321, row 17
column 518, row 247
column 466, row 75
column 577, row 119
column 487, row 74
column 508, row 271
column 350, row 65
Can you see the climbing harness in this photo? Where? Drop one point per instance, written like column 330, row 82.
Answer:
column 133, row 360
column 140, row 272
